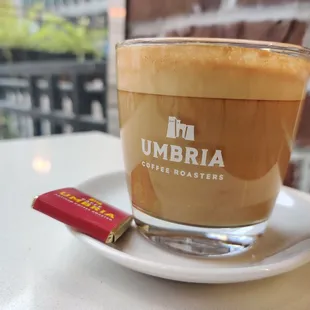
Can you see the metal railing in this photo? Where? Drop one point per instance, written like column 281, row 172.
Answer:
column 53, row 97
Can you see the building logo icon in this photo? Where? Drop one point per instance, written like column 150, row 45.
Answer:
column 176, row 129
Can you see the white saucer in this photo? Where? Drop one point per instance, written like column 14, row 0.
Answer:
column 284, row 247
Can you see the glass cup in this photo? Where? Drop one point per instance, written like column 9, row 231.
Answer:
column 207, row 128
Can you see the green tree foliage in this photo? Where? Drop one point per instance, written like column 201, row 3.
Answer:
column 42, row 30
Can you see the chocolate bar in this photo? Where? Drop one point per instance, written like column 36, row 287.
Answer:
column 84, row 213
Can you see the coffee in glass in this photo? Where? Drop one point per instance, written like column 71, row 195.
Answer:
column 207, row 129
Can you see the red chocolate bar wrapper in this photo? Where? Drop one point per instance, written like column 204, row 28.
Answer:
column 84, row 213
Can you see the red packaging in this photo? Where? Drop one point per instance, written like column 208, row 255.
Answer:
column 84, row 213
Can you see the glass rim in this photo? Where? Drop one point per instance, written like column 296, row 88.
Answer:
column 258, row 44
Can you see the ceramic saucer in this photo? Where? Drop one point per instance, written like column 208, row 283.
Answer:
column 284, row 247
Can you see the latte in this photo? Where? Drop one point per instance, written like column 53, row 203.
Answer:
column 207, row 128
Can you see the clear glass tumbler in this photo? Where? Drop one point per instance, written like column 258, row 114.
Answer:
column 207, row 128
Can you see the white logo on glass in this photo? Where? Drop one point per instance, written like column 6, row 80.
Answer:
column 176, row 129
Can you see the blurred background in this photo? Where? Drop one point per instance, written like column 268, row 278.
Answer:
column 57, row 57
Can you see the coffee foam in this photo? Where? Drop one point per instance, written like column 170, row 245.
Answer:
column 211, row 71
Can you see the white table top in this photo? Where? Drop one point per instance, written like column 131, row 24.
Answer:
column 42, row 266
